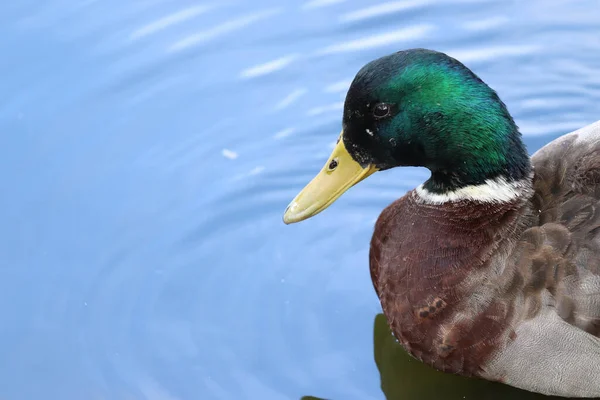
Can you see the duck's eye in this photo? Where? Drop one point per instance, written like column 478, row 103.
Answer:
column 333, row 164
column 381, row 110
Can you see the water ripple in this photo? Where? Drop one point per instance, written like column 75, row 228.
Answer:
column 290, row 99
column 382, row 9
column 222, row 29
column 492, row 52
column 168, row 21
column 268, row 67
column 380, row 40
column 338, row 87
column 284, row 133
column 320, row 3
column 486, row 24
column 334, row 107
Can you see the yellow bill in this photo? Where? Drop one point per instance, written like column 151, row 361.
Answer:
column 339, row 174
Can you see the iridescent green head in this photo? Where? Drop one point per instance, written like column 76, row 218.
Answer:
column 418, row 108
column 423, row 108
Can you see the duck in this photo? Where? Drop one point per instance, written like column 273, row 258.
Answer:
column 491, row 267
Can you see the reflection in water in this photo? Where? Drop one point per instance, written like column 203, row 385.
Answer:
column 405, row 378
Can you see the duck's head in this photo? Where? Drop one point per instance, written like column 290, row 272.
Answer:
column 417, row 108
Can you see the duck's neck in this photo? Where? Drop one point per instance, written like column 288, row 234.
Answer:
column 496, row 177
column 497, row 190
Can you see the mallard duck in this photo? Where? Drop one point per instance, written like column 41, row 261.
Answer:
column 491, row 267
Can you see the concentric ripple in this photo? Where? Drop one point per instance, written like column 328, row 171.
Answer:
column 149, row 148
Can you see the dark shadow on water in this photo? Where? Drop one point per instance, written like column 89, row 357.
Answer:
column 403, row 377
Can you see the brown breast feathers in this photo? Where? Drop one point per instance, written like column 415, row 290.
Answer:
column 438, row 271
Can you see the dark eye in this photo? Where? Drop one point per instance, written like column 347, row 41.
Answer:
column 381, row 110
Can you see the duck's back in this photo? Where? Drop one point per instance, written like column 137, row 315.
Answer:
column 509, row 292
column 567, row 196
column 567, row 192
column 557, row 345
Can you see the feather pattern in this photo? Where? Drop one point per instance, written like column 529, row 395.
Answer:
column 507, row 291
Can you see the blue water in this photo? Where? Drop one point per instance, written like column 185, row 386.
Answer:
column 148, row 149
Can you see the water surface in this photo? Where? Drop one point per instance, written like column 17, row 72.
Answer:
column 148, row 149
